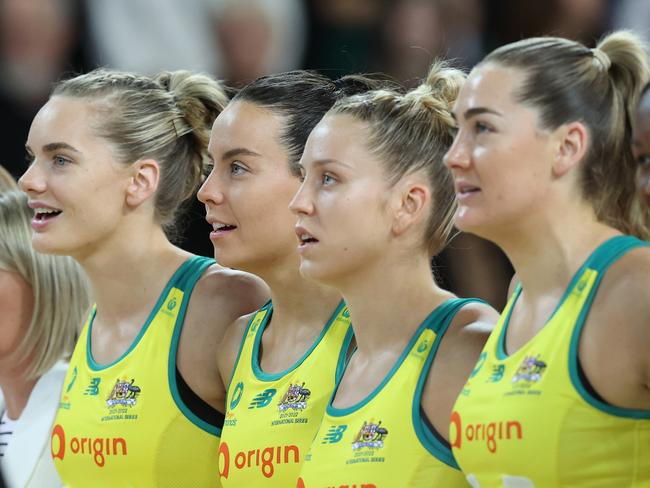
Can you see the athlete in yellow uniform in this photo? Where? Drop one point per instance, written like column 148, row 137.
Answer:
column 298, row 347
column 384, row 440
column 375, row 205
column 113, row 156
column 543, row 167
column 272, row 418
column 547, row 406
column 126, row 420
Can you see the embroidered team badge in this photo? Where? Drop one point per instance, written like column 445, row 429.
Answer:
column 370, row 435
column 123, row 393
column 530, row 370
column 295, row 398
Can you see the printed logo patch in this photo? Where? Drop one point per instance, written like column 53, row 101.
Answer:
column 370, row 435
column 124, row 393
column 93, row 388
column 263, row 399
column 334, row 434
column 498, row 370
column 236, row 395
column 295, row 397
column 72, row 380
column 530, row 370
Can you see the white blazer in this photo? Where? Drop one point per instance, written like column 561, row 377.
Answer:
column 28, row 461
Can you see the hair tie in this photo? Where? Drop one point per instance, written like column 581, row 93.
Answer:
column 602, row 58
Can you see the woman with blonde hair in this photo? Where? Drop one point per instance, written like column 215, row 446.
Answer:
column 43, row 299
column 375, row 205
column 543, row 167
column 114, row 156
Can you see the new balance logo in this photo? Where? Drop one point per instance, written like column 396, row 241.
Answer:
column 263, row 399
column 334, row 434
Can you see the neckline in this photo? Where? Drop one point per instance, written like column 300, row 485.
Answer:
column 501, row 352
column 255, row 356
column 433, row 315
column 161, row 299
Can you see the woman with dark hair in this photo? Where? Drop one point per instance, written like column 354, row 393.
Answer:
column 281, row 362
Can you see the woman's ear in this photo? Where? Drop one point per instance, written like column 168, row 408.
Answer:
column 413, row 200
column 573, row 144
column 145, row 176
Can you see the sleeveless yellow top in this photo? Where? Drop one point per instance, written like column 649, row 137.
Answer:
column 272, row 418
column 384, row 440
column 123, row 424
column 531, row 419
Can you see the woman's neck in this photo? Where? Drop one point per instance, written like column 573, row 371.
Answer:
column 546, row 261
column 129, row 273
column 389, row 300
column 297, row 301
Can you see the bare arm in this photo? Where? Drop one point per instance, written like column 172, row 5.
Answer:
column 220, row 297
column 615, row 342
column 454, row 361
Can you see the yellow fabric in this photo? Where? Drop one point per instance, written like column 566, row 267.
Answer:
column 382, row 441
column 272, row 418
column 120, row 425
column 527, row 420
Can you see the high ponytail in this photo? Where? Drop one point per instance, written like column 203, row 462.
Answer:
column 166, row 118
column 566, row 82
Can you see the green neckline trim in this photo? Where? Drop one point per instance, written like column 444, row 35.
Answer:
column 189, row 282
column 255, row 358
column 161, row 299
column 243, row 340
column 432, row 318
column 575, row 341
column 595, row 255
column 428, row 440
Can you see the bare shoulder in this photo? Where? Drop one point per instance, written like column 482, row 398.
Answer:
column 456, row 357
column 234, row 293
column 621, row 309
column 618, row 329
column 471, row 326
column 231, row 344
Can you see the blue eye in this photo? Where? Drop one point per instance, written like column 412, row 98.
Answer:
column 237, row 169
column 480, row 128
column 60, row 161
column 328, row 179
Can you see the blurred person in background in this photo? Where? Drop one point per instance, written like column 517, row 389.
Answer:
column 259, row 37
column 43, row 299
column 634, row 15
column 344, row 36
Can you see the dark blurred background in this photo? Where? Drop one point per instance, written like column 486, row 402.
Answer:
column 42, row 41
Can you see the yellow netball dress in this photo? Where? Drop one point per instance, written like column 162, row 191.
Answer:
column 272, row 418
column 531, row 419
column 124, row 424
column 386, row 440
